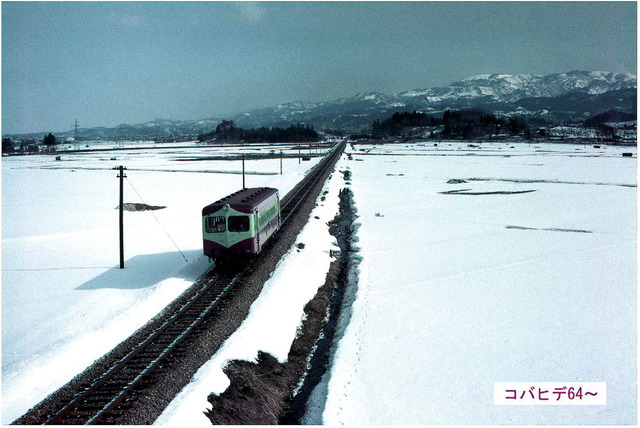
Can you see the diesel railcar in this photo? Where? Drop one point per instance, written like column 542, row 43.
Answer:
column 240, row 223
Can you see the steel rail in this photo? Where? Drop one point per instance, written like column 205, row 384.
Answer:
column 172, row 346
column 140, row 348
column 219, row 286
column 294, row 200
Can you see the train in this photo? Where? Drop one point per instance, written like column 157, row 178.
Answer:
column 240, row 223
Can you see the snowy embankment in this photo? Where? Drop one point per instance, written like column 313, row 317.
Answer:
column 274, row 317
column 64, row 301
column 458, row 291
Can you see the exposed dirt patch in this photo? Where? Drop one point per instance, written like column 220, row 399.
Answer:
column 140, row 207
column 531, row 181
column 255, row 394
column 497, row 192
column 550, row 229
column 260, row 393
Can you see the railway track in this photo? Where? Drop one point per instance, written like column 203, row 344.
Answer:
column 109, row 396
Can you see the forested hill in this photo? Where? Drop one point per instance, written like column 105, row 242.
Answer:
column 227, row 131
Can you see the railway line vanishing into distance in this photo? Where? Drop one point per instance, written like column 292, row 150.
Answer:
column 127, row 384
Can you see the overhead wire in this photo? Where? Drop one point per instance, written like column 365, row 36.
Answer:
column 160, row 224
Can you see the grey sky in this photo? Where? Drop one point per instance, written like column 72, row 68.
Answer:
column 107, row 63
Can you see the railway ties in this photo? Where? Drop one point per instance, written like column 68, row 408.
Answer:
column 296, row 196
column 110, row 396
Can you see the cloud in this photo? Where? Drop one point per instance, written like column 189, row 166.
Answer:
column 251, row 11
column 131, row 21
column 127, row 21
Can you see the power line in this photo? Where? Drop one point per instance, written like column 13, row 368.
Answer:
column 154, row 216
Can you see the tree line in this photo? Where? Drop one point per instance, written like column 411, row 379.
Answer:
column 227, row 131
column 29, row 146
column 465, row 124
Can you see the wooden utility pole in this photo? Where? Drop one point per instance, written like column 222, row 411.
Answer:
column 280, row 162
column 243, row 186
column 121, row 208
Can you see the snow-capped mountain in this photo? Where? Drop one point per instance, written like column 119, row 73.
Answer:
column 553, row 98
column 511, row 88
column 559, row 96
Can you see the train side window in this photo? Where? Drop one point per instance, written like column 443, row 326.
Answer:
column 215, row 224
column 238, row 223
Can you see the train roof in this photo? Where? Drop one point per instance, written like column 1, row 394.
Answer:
column 245, row 200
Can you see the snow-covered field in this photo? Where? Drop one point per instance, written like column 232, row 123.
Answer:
column 455, row 292
column 64, row 300
column 458, row 291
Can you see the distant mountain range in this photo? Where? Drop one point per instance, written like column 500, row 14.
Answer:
column 555, row 98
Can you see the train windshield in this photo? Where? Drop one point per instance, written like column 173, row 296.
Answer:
column 215, row 224
column 238, row 223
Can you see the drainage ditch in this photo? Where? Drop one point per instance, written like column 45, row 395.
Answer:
column 270, row 392
column 338, row 312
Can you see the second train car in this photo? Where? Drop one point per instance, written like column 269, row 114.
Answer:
column 240, row 223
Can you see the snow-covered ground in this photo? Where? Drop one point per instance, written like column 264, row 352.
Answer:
column 458, row 291
column 64, row 300
column 455, row 291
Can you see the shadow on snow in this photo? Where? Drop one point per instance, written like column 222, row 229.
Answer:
column 146, row 270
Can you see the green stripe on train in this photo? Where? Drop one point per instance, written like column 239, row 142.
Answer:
column 226, row 238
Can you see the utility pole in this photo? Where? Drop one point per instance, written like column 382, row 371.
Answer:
column 280, row 162
column 75, row 135
column 243, row 186
column 121, row 207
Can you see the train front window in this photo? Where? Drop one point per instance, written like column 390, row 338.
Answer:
column 238, row 223
column 215, row 224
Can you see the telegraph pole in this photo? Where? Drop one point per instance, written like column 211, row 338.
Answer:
column 121, row 207
column 243, row 186
column 280, row 162
column 75, row 135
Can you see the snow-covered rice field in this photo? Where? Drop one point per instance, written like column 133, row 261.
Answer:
column 458, row 291
column 455, row 291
